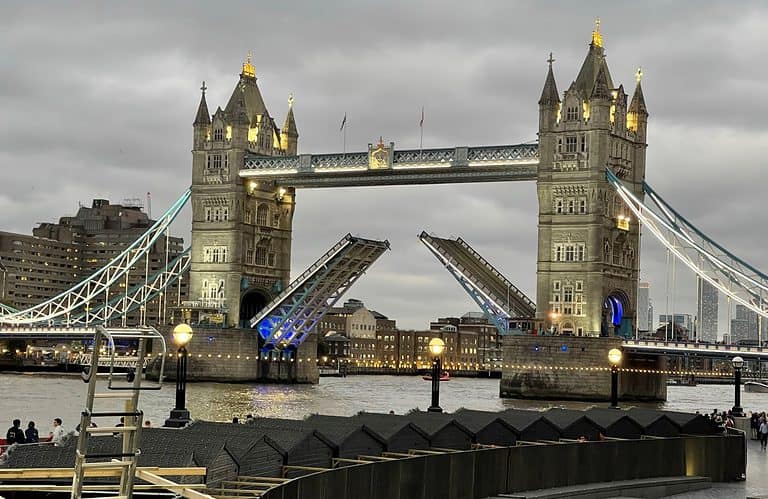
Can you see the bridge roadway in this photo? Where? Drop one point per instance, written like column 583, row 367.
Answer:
column 700, row 349
column 483, row 275
column 383, row 165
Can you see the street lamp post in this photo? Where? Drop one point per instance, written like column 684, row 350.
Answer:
column 436, row 347
column 182, row 334
column 737, row 363
column 614, row 357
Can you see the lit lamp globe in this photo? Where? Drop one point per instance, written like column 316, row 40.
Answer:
column 436, row 346
column 614, row 356
column 737, row 362
column 182, row 334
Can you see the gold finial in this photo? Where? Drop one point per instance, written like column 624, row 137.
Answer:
column 203, row 88
column 597, row 38
column 639, row 75
column 248, row 69
column 550, row 60
column 290, row 100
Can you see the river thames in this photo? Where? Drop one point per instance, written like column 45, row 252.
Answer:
column 42, row 397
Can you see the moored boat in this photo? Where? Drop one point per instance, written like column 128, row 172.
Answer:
column 444, row 376
column 756, row 387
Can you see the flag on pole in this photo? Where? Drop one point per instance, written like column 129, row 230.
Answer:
column 421, row 123
column 343, row 122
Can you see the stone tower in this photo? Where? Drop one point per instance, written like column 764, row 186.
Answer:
column 241, row 230
column 588, row 256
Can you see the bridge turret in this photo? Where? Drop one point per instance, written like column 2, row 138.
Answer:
column 289, row 136
column 202, row 123
column 637, row 115
column 587, row 264
column 549, row 102
column 600, row 102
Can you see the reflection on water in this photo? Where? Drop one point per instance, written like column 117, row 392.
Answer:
column 41, row 397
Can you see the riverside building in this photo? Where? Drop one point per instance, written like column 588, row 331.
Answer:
column 34, row 268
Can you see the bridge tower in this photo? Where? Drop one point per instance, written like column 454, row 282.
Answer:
column 588, row 255
column 241, row 230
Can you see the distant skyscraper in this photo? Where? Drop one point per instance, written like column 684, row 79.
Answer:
column 683, row 320
column 744, row 326
column 707, row 311
column 644, row 318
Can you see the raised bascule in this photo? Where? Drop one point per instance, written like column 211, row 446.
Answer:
column 589, row 168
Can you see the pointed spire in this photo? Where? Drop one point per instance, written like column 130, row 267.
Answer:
column 549, row 94
column 239, row 113
column 638, row 101
column 202, row 117
column 597, row 37
column 289, row 127
column 602, row 89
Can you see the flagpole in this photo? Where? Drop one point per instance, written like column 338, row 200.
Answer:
column 421, row 133
column 345, row 140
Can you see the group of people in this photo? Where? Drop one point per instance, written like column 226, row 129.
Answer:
column 248, row 419
column 15, row 435
column 758, row 422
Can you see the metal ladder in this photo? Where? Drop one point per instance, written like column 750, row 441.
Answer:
column 126, row 459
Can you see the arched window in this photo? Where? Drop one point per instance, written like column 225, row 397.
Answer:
column 262, row 214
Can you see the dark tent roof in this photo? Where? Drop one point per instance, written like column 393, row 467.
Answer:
column 647, row 417
column 520, row 419
column 432, row 422
column 477, row 420
column 386, row 425
column 605, row 417
column 338, row 428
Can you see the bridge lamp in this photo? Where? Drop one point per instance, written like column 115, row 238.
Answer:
column 436, row 348
column 737, row 363
column 182, row 335
column 614, row 357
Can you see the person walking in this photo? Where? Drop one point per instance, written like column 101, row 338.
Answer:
column 763, row 434
column 57, row 435
column 31, row 433
column 15, row 435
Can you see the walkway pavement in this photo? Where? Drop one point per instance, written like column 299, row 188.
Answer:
column 755, row 485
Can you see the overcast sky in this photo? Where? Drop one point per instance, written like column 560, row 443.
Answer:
column 98, row 101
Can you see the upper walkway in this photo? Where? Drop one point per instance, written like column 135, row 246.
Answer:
column 383, row 165
column 700, row 349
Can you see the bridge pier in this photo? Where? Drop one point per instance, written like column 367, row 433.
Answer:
column 232, row 355
column 576, row 368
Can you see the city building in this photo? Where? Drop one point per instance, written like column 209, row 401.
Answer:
column 480, row 342
column 59, row 255
column 683, row 322
column 707, row 310
column 587, row 266
column 644, row 314
column 744, row 327
column 371, row 335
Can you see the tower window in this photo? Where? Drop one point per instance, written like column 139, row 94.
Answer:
column 572, row 113
column 571, row 206
column 559, row 205
column 583, row 143
column 214, row 162
column 582, row 205
column 570, row 143
column 262, row 214
column 218, row 134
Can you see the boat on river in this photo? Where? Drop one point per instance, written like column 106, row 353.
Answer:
column 444, row 376
column 756, row 387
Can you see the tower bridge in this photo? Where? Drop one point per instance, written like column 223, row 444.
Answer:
column 589, row 168
column 247, row 173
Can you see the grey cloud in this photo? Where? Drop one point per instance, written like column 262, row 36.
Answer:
column 97, row 100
